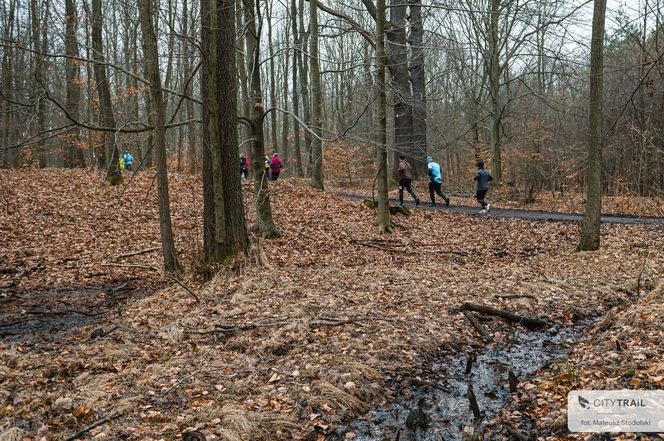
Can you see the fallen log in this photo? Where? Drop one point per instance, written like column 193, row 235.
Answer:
column 477, row 325
column 528, row 322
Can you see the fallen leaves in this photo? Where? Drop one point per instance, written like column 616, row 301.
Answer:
column 313, row 365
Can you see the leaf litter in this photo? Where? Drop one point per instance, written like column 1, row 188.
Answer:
column 309, row 341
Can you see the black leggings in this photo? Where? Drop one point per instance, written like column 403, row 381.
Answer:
column 435, row 187
column 408, row 185
column 480, row 197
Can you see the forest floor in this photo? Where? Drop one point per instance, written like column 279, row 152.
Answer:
column 309, row 331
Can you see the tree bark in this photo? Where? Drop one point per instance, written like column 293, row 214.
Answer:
column 209, row 252
column 113, row 175
column 189, row 105
column 73, row 154
column 418, row 85
column 383, row 210
column 152, row 60
column 264, row 224
column 316, row 101
column 590, row 234
column 296, row 96
column 494, row 90
column 397, row 63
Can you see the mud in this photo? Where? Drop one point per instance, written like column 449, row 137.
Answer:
column 445, row 389
column 46, row 315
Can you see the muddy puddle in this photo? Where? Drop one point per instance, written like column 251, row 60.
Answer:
column 48, row 314
column 445, row 398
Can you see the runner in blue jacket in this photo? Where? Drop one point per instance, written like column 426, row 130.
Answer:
column 435, row 181
column 482, row 177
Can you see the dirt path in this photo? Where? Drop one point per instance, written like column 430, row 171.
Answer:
column 520, row 214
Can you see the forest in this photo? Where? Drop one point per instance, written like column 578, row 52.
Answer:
column 331, row 220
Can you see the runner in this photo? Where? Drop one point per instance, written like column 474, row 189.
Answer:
column 435, row 181
column 405, row 172
column 482, row 177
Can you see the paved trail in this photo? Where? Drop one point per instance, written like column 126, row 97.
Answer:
column 521, row 214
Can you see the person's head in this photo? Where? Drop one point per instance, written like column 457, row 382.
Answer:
column 429, row 159
column 480, row 164
column 276, row 155
column 126, row 151
column 402, row 157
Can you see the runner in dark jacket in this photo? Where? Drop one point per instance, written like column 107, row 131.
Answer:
column 482, row 177
column 405, row 172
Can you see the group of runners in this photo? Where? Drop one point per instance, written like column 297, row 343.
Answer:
column 271, row 170
column 405, row 172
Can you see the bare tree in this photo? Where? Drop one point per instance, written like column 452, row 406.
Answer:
column 590, row 235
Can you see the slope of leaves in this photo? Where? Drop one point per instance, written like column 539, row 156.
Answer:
column 307, row 341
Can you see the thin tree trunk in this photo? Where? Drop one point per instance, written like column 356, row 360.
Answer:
column 273, row 83
column 264, row 224
column 189, row 105
column 7, row 89
column 113, row 175
column 296, row 96
column 316, row 101
column 590, row 234
column 494, row 89
column 152, row 60
column 303, row 69
column 383, row 210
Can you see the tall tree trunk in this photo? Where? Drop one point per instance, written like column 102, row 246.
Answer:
column 590, row 234
column 273, row 83
column 383, row 210
column 73, row 154
column 39, row 39
column 7, row 90
column 296, row 96
column 316, row 101
column 209, row 249
column 303, row 69
column 397, row 63
column 264, row 224
column 113, row 175
column 417, row 79
column 494, row 90
column 286, row 151
column 152, row 60
column 189, row 105
column 235, row 227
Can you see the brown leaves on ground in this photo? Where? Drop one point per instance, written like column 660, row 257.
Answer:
column 306, row 342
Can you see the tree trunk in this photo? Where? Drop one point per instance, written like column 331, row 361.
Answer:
column 303, row 69
column 397, row 63
column 73, row 154
column 417, row 80
column 264, row 224
column 113, row 175
column 296, row 96
column 189, row 105
column 209, row 252
column 286, row 151
column 7, row 90
column 383, row 210
column 590, row 234
column 316, row 101
column 273, row 82
column 152, row 60
column 494, row 89
column 235, row 227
